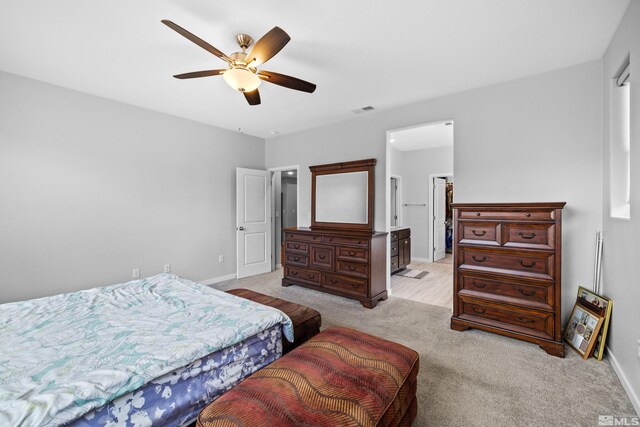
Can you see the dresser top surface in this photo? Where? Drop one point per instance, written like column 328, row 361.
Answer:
column 517, row 205
column 337, row 232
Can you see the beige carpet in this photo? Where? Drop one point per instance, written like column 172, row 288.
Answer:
column 471, row 378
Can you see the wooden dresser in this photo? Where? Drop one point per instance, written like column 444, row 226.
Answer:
column 348, row 263
column 507, row 270
column 400, row 249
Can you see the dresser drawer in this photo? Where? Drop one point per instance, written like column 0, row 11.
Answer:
column 538, row 296
column 394, row 236
column 394, row 248
column 404, row 233
column 535, row 236
column 302, row 237
column 321, row 257
column 302, row 274
column 531, row 323
column 297, row 260
column 346, row 284
column 352, row 254
column 479, row 232
column 514, row 215
column 298, row 247
column 344, row 240
column 352, row 268
column 533, row 264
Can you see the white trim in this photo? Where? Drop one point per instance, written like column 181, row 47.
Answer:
column 273, row 196
column 387, row 204
column 635, row 401
column 430, row 211
column 419, row 259
column 219, row 279
column 399, row 199
column 279, row 266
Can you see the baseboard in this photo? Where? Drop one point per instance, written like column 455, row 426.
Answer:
column 215, row 280
column 420, row 259
column 625, row 381
column 279, row 266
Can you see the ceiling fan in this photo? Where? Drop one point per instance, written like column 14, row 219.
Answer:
column 242, row 73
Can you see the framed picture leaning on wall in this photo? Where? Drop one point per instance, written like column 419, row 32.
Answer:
column 582, row 331
column 601, row 306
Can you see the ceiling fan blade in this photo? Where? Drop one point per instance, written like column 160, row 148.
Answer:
column 194, row 74
column 253, row 97
column 265, row 48
column 287, row 81
column 197, row 40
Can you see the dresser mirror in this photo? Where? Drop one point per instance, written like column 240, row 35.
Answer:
column 342, row 195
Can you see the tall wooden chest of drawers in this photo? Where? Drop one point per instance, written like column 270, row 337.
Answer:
column 348, row 263
column 507, row 271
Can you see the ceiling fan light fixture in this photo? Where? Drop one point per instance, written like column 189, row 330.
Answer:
column 241, row 79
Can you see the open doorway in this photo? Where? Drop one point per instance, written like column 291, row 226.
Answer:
column 285, row 208
column 420, row 195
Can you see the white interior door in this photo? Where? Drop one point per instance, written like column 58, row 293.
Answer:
column 253, row 222
column 439, row 217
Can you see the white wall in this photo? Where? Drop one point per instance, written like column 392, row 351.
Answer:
column 417, row 165
column 92, row 188
column 533, row 139
column 621, row 269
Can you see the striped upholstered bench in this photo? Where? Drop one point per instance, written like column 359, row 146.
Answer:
column 306, row 321
column 341, row 377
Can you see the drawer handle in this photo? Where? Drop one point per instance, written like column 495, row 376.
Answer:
column 294, row 273
column 354, row 286
column 296, row 246
column 406, row 242
column 475, row 233
column 525, row 320
column 476, row 259
column 532, row 264
column 322, row 256
column 351, row 268
column 527, row 294
column 296, row 259
column 329, row 239
column 479, row 285
column 352, row 253
column 333, row 281
column 527, row 214
column 311, row 276
column 477, row 213
column 479, row 310
column 529, row 236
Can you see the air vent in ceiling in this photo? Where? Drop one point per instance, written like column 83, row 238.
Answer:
column 363, row 109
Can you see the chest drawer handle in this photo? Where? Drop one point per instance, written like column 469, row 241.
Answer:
column 527, row 294
column 354, row 286
column 311, row 276
column 527, row 214
column 525, row 320
column 296, row 246
column 483, row 259
column 475, row 233
column 530, row 265
column 294, row 273
column 527, row 236
column 352, row 253
column 322, row 256
column 479, row 310
column 296, row 259
column 352, row 268
column 333, row 281
column 479, row 285
column 329, row 239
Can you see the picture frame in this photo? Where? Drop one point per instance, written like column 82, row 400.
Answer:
column 582, row 330
column 601, row 305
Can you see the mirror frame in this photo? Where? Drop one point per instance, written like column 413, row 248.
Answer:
column 368, row 166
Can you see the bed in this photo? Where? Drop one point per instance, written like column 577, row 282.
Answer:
column 143, row 353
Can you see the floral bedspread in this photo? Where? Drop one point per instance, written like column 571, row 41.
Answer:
column 63, row 356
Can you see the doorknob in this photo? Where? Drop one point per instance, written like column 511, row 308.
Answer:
column 240, row 228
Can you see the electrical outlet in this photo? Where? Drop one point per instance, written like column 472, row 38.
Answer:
column 167, row 268
column 136, row 273
column 220, row 258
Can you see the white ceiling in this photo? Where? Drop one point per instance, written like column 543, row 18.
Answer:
column 358, row 52
column 432, row 135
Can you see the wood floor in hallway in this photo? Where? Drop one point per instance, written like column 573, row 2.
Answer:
column 436, row 288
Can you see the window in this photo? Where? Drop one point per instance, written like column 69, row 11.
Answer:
column 620, row 182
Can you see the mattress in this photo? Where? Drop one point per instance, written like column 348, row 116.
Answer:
column 177, row 397
column 63, row 357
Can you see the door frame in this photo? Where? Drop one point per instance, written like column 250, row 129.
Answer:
column 399, row 207
column 275, row 263
column 430, row 211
